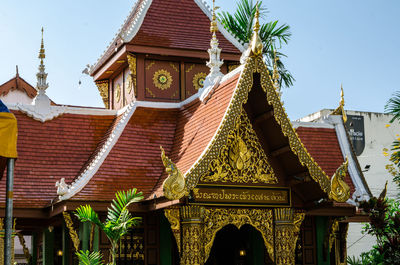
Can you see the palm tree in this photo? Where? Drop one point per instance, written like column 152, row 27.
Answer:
column 119, row 220
column 241, row 25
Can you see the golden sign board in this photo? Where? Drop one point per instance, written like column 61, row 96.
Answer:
column 241, row 196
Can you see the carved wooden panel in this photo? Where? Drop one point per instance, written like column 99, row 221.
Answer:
column 162, row 80
column 128, row 87
column 195, row 74
column 118, row 91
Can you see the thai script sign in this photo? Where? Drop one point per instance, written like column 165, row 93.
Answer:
column 241, row 196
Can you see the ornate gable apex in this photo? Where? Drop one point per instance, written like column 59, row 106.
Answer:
column 136, row 20
column 256, row 65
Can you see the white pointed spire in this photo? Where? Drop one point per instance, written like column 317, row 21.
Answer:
column 41, row 108
column 215, row 62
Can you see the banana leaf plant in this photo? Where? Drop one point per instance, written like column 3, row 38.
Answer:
column 119, row 220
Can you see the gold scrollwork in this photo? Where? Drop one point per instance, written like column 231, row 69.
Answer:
column 118, row 93
column 150, row 92
column 162, row 79
column 103, row 89
column 287, row 228
column 198, row 80
column 72, row 232
column 173, row 65
column 340, row 191
column 24, row 248
column 174, row 186
column 241, row 159
column 173, row 217
column 216, row 218
column 129, row 84
column 132, row 68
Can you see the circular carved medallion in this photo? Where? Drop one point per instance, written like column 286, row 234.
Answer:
column 129, row 84
column 198, row 80
column 162, row 79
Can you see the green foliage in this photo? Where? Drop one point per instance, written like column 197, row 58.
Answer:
column 119, row 220
column 241, row 25
column 89, row 258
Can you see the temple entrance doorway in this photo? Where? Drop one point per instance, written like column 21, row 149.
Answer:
column 233, row 246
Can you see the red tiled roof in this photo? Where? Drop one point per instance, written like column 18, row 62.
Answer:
column 134, row 161
column 50, row 151
column 323, row 145
column 178, row 24
column 18, row 83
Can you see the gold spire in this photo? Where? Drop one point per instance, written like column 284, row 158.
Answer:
column 340, row 110
column 256, row 43
column 42, row 54
column 214, row 25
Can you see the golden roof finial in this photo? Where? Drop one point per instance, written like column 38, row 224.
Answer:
column 256, row 43
column 275, row 73
column 340, row 110
column 214, row 25
column 42, row 54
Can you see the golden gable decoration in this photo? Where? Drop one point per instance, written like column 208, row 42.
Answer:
column 241, row 159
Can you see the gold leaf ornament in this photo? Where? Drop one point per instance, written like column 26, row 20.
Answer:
column 174, row 186
column 118, row 93
column 198, row 80
column 162, row 79
column 340, row 191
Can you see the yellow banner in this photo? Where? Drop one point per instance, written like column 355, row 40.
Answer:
column 8, row 135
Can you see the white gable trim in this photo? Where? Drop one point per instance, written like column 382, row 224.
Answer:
column 361, row 193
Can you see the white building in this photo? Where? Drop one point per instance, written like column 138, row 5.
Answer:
column 372, row 135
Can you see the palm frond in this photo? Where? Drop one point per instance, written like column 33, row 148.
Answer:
column 85, row 213
column 393, row 106
column 89, row 258
column 122, row 201
column 272, row 34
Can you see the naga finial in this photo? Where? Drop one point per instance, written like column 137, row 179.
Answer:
column 340, row 191
column 256, row 43
column 174, row 186
column 340, row 110
column 275, row 73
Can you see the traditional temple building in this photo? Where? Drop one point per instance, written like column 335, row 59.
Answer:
column 234, row 182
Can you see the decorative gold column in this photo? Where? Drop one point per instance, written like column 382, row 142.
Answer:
column 173, row 217
column 287, row 228
column 192, row 235
column 132, row 69
column 2, row 241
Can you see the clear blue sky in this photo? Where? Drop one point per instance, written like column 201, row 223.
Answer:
column 334, row 41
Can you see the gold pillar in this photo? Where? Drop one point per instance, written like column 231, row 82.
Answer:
column 192, row 235
column 287, row 228
column 2, row 232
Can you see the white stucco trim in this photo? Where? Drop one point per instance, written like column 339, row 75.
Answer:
column 230, row 37
column 360, row 193
column 132, row 30
column 80, row 182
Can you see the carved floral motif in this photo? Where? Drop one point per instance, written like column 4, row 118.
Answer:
column 162, row 79
column 242, row 158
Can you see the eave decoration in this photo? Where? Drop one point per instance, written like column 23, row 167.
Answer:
column 177, row 185
column 102, row 86
column 174, row 186
column 340, row 191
